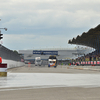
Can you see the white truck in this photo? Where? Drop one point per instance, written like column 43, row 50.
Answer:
column 38, row 61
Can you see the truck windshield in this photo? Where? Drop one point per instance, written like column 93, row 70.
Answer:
column 38, row 60
column 52, row 61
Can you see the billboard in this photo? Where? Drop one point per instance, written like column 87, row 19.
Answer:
column 45, row 52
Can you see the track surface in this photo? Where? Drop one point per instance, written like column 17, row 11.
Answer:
column 43, row 83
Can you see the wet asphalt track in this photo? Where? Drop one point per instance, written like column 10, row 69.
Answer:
column 43, row 78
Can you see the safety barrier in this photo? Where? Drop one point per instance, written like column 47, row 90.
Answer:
column 12, row 58
column 95, row 63
column 11, row 63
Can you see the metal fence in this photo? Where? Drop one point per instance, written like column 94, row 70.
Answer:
column 6, row 53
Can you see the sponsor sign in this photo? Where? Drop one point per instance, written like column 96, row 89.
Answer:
column 91, row 62
column 3, row 70
column 98, row 62
column 88, row 62
column 95, row 62
column 45, row 52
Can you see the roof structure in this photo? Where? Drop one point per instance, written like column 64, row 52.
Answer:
column 90, row 38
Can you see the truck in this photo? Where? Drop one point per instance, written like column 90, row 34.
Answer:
column 38, row 61
column 52, row 61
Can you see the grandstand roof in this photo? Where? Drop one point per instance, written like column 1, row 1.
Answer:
column 90, row 38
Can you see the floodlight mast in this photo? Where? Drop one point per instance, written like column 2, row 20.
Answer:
column 0, row 31
column 4, row 29
column 2, row 34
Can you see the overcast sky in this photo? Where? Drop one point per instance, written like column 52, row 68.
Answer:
column 35, row 24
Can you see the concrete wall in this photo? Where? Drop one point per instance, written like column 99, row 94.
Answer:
column 11, row 63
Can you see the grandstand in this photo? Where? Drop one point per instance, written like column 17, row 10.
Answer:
column 8, row 54
column 90, row 39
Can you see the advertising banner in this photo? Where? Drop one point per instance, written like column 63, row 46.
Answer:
column 3, row 70
column 45, row 52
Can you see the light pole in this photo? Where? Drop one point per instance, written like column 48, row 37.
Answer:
column 0, row 31
column 2, row 34
column 4, row 29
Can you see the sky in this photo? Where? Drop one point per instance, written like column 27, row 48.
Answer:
column 34, row 24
